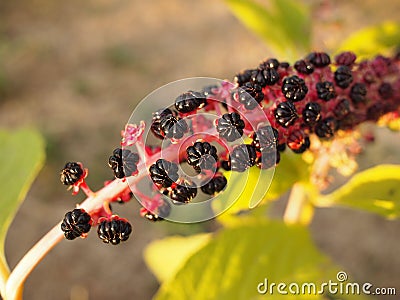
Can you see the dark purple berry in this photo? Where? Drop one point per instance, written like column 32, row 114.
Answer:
column 269, row 158
column 226, row 165
column 325, row 90
column 209, row 90
column 160, row 214
column 385, row 90
column 284, row 65
column 122, row 162
column 265, row 137
column 358, row 93
column 190, row 101
column 326, row 128
column 319, row 59
column 265, row 76
column 114, row 231
column 76, row 223
column 172, row 127
column 342, row 109
column 164, row 173
column 215, row 185
column 184, row 192
column 250, row 94
column 311, row 113
column 230, row 126
column 343, row 77
column 281, row 147
column 294, row 88
column 345, row 58
column 285, row 113
column 243, row 77
column 298, row 141
column 71, row 173
column 202, row 156
column 243, row 157
column 270, row 63
column 304, row 67
column 157, row 116
column 375, row 111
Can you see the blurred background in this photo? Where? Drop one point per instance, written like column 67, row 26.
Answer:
column 76, row 69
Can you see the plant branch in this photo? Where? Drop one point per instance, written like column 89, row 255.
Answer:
column 298, row 209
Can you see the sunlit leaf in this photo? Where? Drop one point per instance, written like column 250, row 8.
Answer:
column 375, row 190
column 248, row 190
column 238, row 259
column 373, row 40
column 21, row 157
column 165, row 257
column 284, row 25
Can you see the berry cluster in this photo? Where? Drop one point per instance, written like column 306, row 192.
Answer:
column 269, row 108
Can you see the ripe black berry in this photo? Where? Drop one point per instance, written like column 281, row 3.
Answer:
column 342, row 109
column 298, row 141
column 265, row 137
column 358, row 93
column 189, row 101
column 114, row 231
column 343, row 77
column 385, row 90
column 304, row 67
column 270, row 63
column 226, row 165
column 161, row 212
column 285, row 113
column 76, row 223
column 202, row 156
column 319, row 59
column 164, row 173
column 71, row 173
column 375, row 111
column 269, row 158
column 265, row 76
column 326, row 128
column 243, row 157
column 243, row 77
column 230, row 126
column 250, row 94
column 183, row 192
column 311, row 113
column 215, row 185
column 345, row 58
column 122, row 162
column 157, row 116
column 172, row 127
column 294, row 88
column 284, row 65
column 325, row 90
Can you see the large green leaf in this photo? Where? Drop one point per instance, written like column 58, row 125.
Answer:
column 21, row 157
column 165, row 257
column 248, row 189
column 373, row 40
column 375, row 190
column 238, row 259
column 284, row 25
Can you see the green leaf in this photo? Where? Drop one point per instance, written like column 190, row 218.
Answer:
column 370, row 41
column 21, row 157
column 165, row 257
column 375, row 190
column 284, row 25
column 246, row 190
column 238, row 259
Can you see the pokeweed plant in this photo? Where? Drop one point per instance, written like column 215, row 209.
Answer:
column 301, row 118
